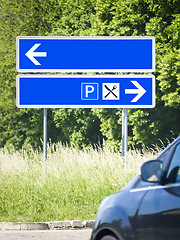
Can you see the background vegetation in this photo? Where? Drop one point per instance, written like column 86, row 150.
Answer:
column 77, row 180
column 83, row 127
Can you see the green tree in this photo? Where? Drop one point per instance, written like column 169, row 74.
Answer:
column 21, row 18
column 79, row 127
column 158, row 18
column 75, row 18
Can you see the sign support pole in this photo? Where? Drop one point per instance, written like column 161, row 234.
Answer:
column 124, row 134
column 45, row 137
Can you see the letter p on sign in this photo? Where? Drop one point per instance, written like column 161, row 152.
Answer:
column 89, row 91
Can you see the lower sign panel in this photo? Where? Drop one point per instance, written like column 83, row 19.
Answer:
column 85, row 91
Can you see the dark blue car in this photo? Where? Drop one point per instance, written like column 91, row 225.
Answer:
column 148, row 208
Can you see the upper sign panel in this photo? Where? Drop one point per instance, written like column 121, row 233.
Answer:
column 85, row 54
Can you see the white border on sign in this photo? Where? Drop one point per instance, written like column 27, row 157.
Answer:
column 85, row 76
column 85, row 70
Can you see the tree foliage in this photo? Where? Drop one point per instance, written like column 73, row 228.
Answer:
column 83, row 127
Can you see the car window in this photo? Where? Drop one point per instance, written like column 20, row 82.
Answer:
column 164, row 158
column 141, row 183
column 164, row 155
column 173, row 175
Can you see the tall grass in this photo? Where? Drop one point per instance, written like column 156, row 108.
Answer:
column 72, row 187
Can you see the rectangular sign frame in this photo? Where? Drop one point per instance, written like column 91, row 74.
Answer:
column 84, row 85
column 85, row 54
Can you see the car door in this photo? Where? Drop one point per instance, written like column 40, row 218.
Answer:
column 159, row 214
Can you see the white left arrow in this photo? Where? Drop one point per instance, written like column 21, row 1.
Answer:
column 31, row 54
column 140, row 91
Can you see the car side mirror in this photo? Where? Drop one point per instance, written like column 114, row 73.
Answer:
column 151, row 171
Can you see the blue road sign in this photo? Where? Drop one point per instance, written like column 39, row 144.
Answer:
column 87, row 91
column 85, row 54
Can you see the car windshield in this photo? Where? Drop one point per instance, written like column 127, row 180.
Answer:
column 163, row 157
column 174, row 168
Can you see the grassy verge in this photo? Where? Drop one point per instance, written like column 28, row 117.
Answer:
column 75, row 182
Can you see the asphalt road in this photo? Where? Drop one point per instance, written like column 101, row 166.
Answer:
column 46, row 235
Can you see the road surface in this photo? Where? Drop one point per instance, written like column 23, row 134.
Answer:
column 46, row 235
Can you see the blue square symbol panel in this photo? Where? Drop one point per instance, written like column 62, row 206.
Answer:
column 89, row 91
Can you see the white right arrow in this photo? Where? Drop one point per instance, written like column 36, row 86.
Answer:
column 140, row 91
column 31, row 54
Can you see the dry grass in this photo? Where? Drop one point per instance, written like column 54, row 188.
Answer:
column 74, row 184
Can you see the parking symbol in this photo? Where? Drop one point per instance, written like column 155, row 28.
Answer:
column 110, row 91
column 89, row 91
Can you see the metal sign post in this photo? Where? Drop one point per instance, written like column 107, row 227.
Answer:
column 45, row 137
column 124, row 134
